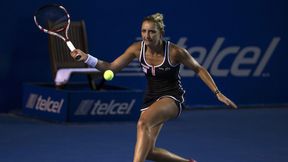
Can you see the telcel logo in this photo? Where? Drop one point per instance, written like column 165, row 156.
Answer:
column 104, row 108
column 242, row 65
column 246, row 61
column 44, row 104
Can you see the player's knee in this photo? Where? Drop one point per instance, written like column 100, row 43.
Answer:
column 143, row 125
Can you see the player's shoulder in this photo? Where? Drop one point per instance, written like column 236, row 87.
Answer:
column 136, row 45
column 134, row 48
column 175, row 49
column 177, row 53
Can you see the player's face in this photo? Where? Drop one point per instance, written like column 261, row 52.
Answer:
column 151, row 35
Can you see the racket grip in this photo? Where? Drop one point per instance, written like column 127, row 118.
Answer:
column 72, row 48
column 70, row 45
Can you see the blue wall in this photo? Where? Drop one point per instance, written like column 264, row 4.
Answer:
column 249, row 65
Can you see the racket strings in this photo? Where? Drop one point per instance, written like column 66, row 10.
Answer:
column 52, row 18
column 56, row 26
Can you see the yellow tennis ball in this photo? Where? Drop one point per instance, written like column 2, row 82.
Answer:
column 108, row 75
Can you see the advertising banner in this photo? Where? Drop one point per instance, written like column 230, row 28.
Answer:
column 105, row 106
column 242, row 44
column 46, row 102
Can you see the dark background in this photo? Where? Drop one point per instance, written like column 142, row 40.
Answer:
column 113, row 25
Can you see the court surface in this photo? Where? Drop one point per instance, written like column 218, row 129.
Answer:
column 222, row 135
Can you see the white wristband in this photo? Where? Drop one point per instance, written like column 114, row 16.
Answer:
column 91, row 61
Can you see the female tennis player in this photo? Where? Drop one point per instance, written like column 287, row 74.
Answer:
column 160, row 61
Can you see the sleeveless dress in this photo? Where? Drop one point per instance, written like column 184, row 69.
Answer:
column 163, row 80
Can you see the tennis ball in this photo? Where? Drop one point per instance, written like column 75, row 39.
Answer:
column 108, row 75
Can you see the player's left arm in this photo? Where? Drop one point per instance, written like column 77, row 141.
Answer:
column 184, row 57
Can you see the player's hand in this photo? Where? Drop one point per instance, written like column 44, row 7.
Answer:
column 226, row 100
column 77, row 52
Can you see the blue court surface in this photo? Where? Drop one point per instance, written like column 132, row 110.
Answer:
column 221, row 135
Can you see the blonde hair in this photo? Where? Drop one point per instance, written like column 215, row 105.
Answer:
column 157, row 18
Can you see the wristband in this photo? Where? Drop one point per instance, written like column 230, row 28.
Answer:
column 91, row 61
column 216, row 92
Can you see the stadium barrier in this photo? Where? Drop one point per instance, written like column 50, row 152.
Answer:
column 44, row 101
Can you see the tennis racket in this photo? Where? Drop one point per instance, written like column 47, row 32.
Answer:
column 55, row 20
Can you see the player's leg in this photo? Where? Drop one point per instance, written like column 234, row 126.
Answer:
column 159, row 112
column 159, row 154
column 148, row 129
column 162, row 155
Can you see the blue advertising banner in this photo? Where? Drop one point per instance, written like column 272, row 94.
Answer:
column 243, row 44
column 240, row 71
column 46, row 102
column 105, row 106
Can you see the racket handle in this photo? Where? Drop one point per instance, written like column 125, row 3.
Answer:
column 72, row 48
column 70, row 45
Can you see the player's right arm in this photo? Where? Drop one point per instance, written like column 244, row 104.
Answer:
column 119, row 63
